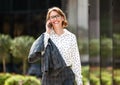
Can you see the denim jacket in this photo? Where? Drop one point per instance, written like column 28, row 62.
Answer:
column 51, row 59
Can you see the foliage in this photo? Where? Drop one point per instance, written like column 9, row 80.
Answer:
column 94, row 47
column 116, row 45
column 4, row 77
column 83, row 45
column 20, row 48
column 5, row 43
column 22, row 80
column 106, row 81
column 29, row 80
column 95, row 70
column 85, row 71
column 94, row 80
column 106, row 78
column 117, row 80
column 85, row 80
column 14, row 80
column 116, row 72
column 116, row 77
column 106, row 47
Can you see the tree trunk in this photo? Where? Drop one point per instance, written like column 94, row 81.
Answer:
column 4, row 64
column 24, row 66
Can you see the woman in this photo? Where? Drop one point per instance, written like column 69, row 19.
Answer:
column 66, row 42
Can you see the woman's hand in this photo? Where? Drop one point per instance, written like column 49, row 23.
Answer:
column 48, row 26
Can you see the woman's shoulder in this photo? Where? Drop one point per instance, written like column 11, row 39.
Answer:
column 70, row 33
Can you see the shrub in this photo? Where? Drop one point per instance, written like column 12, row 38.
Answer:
column 94, row 80
column 22, row 80
column 29, row 80
column 5, row 43
column 83, row 46
column 106, row 47
column 94, row 47
column 116, row 45
column 4, row 77
column 117, row 80
column 14, row 80
column 85, row 71
column 106, row 78
column 85, row 81
column 20, row 48
column 116, row 72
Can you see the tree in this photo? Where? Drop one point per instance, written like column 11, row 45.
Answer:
column 5, row 43
column 94, row 47
column 106, row 47
column 20, row 48
column 116, row 45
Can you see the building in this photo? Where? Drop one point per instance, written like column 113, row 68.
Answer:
column 88, row 19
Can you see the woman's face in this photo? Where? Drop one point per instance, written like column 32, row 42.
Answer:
column 56, row 19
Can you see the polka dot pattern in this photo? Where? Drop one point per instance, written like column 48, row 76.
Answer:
column 67, row 45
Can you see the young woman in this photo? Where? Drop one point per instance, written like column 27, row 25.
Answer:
column 66, row 43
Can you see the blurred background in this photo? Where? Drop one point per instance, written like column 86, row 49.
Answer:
column 96, row 23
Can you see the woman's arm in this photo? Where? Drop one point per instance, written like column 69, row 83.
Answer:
column 76, row 64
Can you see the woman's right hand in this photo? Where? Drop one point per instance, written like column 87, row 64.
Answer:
column 48, row 26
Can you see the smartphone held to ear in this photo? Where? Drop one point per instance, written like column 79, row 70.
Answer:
column 50, row 25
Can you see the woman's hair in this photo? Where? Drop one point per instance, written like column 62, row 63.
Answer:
column 60, row 12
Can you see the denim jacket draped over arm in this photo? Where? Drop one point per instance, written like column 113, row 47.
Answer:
column 51, row 59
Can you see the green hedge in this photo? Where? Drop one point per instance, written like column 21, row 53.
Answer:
column 29, row 80
column 117, row 80
column 22, row 80
column 106, row 78
column 83, row 46
column 116, row 45
column 14, row 80
column 94, row 80
column 94, row 47
column 106, row 47
column 85, row 81
column 4, row 77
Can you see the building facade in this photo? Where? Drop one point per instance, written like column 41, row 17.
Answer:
column 88, row 19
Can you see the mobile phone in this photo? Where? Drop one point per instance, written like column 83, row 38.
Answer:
column 50, row 25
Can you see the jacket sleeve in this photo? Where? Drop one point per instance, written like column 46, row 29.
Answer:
column 36, row 49
column 76, row 64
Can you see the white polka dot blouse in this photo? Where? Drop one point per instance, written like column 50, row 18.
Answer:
column 68, row 48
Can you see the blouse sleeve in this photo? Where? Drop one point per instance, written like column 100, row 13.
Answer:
column 46, row 37
column 76, row 64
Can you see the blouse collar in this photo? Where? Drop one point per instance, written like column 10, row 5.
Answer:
column 65, row 32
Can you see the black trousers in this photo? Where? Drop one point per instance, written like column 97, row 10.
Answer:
column 65, row 77
column 68, row 82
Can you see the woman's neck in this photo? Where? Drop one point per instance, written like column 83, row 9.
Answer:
column 59, row 31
